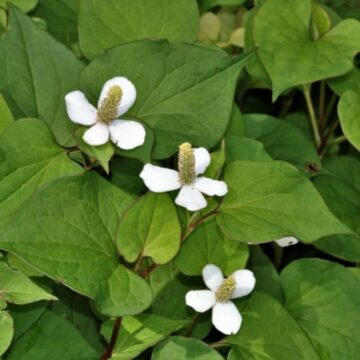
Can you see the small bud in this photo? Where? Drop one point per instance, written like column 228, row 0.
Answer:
column 108, row 107
column 186, row 164
column 226, row 289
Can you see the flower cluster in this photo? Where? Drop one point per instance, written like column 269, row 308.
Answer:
column 106, row 123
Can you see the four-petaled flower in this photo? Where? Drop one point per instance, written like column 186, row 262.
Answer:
column 225, row 315
column 116, row 98
column 191, row 163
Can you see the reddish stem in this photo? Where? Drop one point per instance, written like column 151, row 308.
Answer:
column 115, row 332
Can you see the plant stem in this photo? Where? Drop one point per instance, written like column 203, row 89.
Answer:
column 217, row 344
column 312, row 116
column 115, row 332
column 322, row 105
column 192, row 325
column 337, row 140
column 278, row 254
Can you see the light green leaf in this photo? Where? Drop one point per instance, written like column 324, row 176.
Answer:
column 349, row 114
column 52, row 337
column 340, row 188
column 150, row 228
column 141, row 332
column 323, row 297
column 47, row 69
column 6, row 117
column 24, row 5
column 349, row 81
column 207, row 245
column 210, row 26
column 7, row 331
column 270, row 200
column 267, row 278
column 177, row 88
column 185, row 349
column 61, row 18
column 30, row 159
column 67, row 231
column 282, row 140
column 268, row 332
column 122, row 21
column 102, row 153
column 16, row 288
column 300, row 59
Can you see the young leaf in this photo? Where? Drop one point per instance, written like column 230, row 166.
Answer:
column 177, row 88
column 121, row 21
column 47, row 69
column 16, row 288
column 32, row 159
column 137, row 333
column 300, row 59
column 150, row 228
column 270, row 200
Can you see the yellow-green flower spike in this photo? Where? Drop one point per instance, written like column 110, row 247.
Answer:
column 108, row 107
column 186, row 164
column 226, row 289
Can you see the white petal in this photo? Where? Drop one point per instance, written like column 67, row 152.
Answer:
column 212, row 276
column 202, row 160
column 128, row 96
column 159, row 179
column 287, row 241
column 79, row 110
column 211, row 187
column 127, row 134
column 226, row 318
column 245, row 283
column 200, row 300
column 98, row 134
column 190, row 198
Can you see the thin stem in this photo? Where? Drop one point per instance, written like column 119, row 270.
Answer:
column 115, row 332
column 322, row 104
column 219, row 343
column 278, row 255
column 330, row 108
column 325, row 138
column 312, row 116
column 192, row 325
column 337, row 140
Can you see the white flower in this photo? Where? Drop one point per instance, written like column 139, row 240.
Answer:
column 287, row 241
column 116, row 98
column 225, row 315
column 192, row 162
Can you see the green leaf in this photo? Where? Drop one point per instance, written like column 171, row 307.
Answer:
column 268, row 332
column 267, row 278
column 174, row 93
column 86, row 209
column 208, row 4
column 16, row 288
column 61, row 18
column 349, row 114
column 47, row 69
column 6, row 117
column 323, row 297
column 282, row 140
column 340, row 188
column 150, row 228
column 31, row 159
column 207, row 245
column 102, row 153
column 24, row 5
column 300, row 59
column 122, row 21
column 141, row 332
column 270, row 200
column 185, row 349
column 349, row 81
column 51, row 337
column 7, row 331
